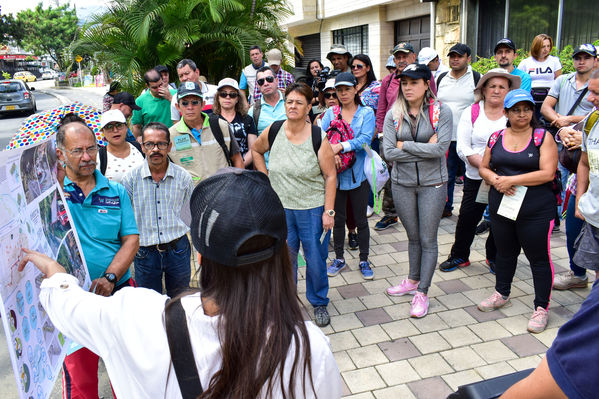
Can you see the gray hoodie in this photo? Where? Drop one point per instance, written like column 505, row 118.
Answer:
column 419, row 163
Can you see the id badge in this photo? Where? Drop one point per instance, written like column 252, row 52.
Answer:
column 182, row 143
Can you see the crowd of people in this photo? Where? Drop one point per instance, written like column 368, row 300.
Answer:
column 295, row 152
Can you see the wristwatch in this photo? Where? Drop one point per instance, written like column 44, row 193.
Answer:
column 331, row 212
column 111, row 277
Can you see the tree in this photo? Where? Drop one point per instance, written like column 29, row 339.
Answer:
column 48, row 31
column 137, row 35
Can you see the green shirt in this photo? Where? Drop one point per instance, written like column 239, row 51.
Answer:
column 153, row 109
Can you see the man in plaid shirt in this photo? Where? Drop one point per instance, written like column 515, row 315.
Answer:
column 274, row 58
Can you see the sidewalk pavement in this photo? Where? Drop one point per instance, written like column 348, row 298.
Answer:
column 383, row 353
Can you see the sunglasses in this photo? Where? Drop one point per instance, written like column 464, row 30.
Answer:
column 225, row 94
column 269, row 79
column 329, row 95
column 358, row 66
column 192, row 102
column 113, row 126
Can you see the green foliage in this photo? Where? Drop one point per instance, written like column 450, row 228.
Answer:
column 6, row 75
column 134, row 36
column 47, row 31
column 9, row 29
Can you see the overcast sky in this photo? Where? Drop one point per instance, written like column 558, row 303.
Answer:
column 84, row 7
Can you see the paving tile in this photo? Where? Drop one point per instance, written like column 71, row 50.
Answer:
column 548, row 336
column 459, row 336
column 399, row 349
column 431, row 322
column 376, row 286
column 345, row 322
column 367, row 356
column 490, row 330
column 361, row 380
column 363, row 395
column 452, row 286
column 456, row 318
column 494, row 370
column 352, row 291
column 349, row 305
column 381, row 260
column 462, row 358
column 477, row 295
column 429, row 343
column 400, row 246
column 515, row 324
column 376, row 300
column 454, row 301
column 397, row 372
column 524, row 363
column 344, row 389
column 395, row 392
column 494, row 351
column 431, row 365
column 342, row 341
column 370, row 335
column 518, row 306
column 483, row 316
column 371, row 317
column 343, row 361
column 401, row 310
column 430, row 388
column 461, row 378
column 524, row 345
column 400, row 329
column 479, row 281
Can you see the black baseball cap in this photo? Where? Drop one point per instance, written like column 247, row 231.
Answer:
column 504, row 42
column 460, row 49
column 229, row 208
column 416, row 71
column 126, row 98
column 189, row 89
column 403, row 47
column 345, row 79
column 587, row 49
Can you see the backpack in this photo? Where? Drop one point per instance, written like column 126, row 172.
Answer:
column 474, row 112
column 102, row 154
column 214, row 121
column 538, row 135
column 338, row 132
column 276, row 126
column 475, row 77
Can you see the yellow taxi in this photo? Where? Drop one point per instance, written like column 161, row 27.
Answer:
column 25, row 76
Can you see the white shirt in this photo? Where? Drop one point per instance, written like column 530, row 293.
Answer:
column 117, row 167
column 128, row 332
column 472, row 139
column 457, row 94
column 542, row 74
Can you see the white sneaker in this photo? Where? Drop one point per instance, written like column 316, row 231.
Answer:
column 369, row 211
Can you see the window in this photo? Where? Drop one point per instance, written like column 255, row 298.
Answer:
column 527, row 19
column 355, row 39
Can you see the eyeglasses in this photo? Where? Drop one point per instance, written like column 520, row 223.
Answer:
column 149, row 146
column 329, row 95
column 78, row 152
column 269, row 79
column 225, row 94
column 192, row 102
column 113, row 126
column 358, row 66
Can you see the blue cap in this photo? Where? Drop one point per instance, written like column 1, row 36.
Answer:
column 515, row 96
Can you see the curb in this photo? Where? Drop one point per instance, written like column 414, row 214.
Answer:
column 63, row 100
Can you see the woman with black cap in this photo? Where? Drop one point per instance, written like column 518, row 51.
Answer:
column 242, row 336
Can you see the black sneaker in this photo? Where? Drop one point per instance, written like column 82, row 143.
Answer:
column 453, row 263
column 483, row 227
column 385, row 222
column 352, row 239
column 321, row 316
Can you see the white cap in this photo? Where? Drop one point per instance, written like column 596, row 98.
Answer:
column 113, row 115
column 390, row 62
column 228, row 82
column 330, row 84
column 274, row 57
column 426, row 55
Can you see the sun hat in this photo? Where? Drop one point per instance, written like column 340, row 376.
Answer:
column 495, row 73
column 338, row 49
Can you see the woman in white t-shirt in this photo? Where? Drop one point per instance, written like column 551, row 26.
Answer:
column 119, row 156
column 476, row 125
column 542, row 67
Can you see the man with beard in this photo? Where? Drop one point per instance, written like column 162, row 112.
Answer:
column 505, row 54
column 160, row 190
column 103, row 217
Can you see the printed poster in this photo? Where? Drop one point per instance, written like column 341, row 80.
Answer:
column 33, row 214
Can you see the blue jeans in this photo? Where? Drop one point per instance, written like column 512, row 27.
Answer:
column 573, row 227
column 454, row 163
column 305, row 226
column 150, row 264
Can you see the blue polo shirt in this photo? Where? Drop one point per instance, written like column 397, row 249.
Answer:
column 101, row 219
column 269, row 114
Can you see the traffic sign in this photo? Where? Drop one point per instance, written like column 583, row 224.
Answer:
column 78, row 58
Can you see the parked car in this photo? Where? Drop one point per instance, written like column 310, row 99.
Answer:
column 16, row 96
column 25, row 76
column 49, row 74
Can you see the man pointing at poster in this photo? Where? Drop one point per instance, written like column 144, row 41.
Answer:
column 105, row 223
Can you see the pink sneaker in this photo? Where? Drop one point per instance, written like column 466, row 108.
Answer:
column 419, row 305
column 538, row 321
column 493, row 302
column 405, row 287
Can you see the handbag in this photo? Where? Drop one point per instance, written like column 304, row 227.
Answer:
column 570, row 158
column 552, row 129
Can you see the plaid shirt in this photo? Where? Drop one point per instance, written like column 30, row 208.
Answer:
column 285, row 79
column 159, row 206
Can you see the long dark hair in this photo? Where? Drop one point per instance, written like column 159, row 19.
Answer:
column 308, row 73
column 260, row 317
column 370, row 76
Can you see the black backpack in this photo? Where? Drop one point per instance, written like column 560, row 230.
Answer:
column 475, row 76
column 102, row 153
column 276, row 126
column 213, row 119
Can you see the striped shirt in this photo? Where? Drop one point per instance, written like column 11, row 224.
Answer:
column 159, row 207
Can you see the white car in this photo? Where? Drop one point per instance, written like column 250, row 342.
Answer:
column 49, row 74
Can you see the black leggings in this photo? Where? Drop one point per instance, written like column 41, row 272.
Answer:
column 359, row 201
column 532, row 236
